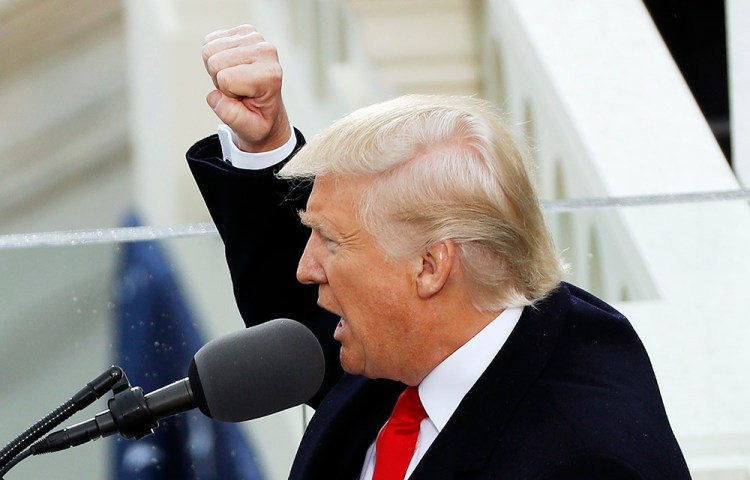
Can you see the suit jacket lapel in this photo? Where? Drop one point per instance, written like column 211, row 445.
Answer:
column 343, row 427
column 472, row 433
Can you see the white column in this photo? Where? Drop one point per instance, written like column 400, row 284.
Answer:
column 421, row 46
column 738, row 44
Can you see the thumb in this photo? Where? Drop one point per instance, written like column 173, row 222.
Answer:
column 213, row 99
column 255, row 133
column 229, row 110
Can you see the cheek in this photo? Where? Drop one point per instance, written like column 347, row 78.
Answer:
column 368, row 291
column 346, row 278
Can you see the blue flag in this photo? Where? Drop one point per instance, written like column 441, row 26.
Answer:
column 156, row 337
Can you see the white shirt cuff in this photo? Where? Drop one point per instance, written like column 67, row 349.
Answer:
column 252, row 161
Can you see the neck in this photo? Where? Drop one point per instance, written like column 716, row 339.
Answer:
column 446, row 331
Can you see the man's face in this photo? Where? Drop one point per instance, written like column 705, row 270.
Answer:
column 371, row 293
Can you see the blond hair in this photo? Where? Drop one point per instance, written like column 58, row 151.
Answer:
column 443, row 168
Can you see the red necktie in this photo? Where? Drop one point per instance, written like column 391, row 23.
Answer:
column 395, row 445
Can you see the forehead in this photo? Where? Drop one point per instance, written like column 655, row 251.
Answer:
column 329, row 192
column 333, row 200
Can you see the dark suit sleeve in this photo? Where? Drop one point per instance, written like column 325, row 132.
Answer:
column 256, row 216
column 593, row 467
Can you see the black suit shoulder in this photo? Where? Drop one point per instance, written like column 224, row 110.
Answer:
column 595, row 406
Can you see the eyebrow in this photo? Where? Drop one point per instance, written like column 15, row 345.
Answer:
column 308, row 220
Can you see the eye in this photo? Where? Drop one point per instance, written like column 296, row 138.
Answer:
column 331, row 245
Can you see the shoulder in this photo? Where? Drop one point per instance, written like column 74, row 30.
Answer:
column 598, row 393
column 586, row 324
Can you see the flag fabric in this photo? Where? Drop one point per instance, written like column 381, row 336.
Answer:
column 156, row 337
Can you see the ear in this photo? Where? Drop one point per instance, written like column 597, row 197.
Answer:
column 437, row 264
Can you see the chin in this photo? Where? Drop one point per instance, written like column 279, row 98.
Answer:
column 350, row 367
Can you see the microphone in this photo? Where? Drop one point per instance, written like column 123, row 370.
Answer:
column 241, row 376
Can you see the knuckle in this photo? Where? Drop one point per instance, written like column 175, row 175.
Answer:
column 250, row 39
column 207, row 52
column 244, row 28
column 266, row 49
column 213, row 35
column 211, row 64
column 274, row 74
column 224, row 80
column 256, row 36
column 213, row 47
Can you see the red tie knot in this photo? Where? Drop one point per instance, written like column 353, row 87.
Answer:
column 408, row 409
column 396, row 442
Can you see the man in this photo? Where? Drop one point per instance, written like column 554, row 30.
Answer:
column 437, row 285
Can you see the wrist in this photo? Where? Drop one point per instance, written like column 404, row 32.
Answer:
column 275, row 139
column 234, row 155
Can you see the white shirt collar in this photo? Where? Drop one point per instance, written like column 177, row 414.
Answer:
column 445, row 386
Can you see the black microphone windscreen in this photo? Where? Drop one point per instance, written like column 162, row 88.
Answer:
column 257, row 371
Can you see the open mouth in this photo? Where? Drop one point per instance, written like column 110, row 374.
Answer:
column 339, row 328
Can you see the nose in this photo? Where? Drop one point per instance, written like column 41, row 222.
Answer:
column 309, row 269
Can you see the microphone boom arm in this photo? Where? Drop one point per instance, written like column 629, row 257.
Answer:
column 131, row 414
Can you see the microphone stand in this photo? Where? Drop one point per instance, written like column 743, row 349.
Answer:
column 113, row 378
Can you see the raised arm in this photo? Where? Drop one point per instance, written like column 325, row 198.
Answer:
column 256, row 213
